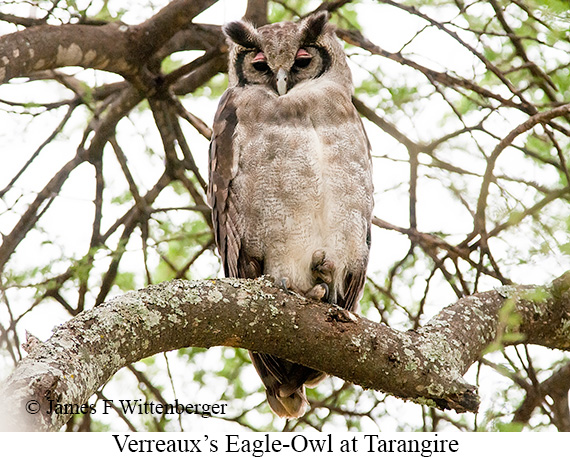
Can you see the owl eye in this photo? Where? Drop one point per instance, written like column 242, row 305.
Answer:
column 303, row 58
column 259, row 62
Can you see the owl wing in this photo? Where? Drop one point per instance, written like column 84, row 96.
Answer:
column 354, row 281
column 223, row 168
column 353, row 286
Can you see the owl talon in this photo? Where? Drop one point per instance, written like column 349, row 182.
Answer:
column 288, row 287
column 322, row 268
column 285, row 284
column 318, row 292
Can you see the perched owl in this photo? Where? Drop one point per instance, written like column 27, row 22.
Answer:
column 290, row 177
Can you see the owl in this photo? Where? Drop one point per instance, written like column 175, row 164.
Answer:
column 290, row 177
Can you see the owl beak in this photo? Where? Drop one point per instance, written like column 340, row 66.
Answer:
column 282, row 81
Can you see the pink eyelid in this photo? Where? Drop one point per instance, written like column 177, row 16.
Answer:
column 301, row 53
column 259, row 57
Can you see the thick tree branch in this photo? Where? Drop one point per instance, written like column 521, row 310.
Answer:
column 426, row 365
column 47, row 47
column 256, row 12
column 160, row 28
column 115, row 47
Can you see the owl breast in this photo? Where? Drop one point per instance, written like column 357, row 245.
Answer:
column 303, row 181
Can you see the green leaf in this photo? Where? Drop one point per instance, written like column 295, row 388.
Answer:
column 509, row 427
column 125, row 281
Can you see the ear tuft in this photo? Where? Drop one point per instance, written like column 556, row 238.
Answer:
column 242, row 33
column 314, row 26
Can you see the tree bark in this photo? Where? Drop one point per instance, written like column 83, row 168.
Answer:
column 114, row 47
column 426, row 365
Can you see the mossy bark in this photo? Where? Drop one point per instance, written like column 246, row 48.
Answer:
column 426, row 365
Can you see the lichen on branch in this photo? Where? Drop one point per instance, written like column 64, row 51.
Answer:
column 426, row 365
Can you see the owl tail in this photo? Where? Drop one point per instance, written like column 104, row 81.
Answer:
column 284, row 382
column 291, row 406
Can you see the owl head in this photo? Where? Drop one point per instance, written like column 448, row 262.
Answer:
column 284, row 55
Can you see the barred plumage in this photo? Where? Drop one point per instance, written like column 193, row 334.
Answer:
column 290, row 176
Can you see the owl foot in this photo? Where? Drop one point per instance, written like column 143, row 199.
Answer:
column 322, row 268
column 318, row 292
column 289, row 287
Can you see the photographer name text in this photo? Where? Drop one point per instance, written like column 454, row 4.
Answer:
column 130, row 407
